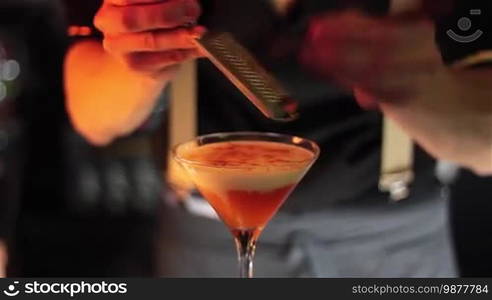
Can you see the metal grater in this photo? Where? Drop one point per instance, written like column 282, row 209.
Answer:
column 242, row 69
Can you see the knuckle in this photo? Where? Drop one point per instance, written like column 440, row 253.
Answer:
column 112, row 45
column 170, row 17
column 181, row 36
column 127, row 20
column 195, row 8
column 149, row 40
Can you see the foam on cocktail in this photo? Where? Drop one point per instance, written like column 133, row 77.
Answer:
column 258, row 166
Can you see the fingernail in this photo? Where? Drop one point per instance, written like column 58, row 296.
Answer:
column 197, row 32
column 189, row 24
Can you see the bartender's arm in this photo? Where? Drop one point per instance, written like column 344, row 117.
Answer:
column 448, row 111
column 112, row 86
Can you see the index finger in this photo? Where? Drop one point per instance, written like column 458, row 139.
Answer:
column 114, row 19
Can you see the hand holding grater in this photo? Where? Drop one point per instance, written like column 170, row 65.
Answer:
column 242, row 69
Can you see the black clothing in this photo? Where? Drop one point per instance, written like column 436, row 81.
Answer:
column 83, row 211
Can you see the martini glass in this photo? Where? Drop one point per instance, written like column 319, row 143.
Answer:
column 246, row 177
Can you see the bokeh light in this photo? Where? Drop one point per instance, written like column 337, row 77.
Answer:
column 10, row 70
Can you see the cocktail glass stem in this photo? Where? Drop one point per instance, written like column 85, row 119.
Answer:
column 245, row 245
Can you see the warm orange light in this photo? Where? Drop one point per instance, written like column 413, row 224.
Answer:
column 85, row 31
column 123, row 100
column 79, row 31
column 297, row 140
column 73, row 31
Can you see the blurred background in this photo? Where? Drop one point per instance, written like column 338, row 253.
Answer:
column 70, row 209
column 66, row 208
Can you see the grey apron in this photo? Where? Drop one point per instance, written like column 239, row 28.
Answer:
column 388, row 240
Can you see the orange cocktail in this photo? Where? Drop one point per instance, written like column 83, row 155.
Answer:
column 246, row 177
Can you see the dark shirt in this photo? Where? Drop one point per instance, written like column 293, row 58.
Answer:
column 61, row 194
column 33, row 112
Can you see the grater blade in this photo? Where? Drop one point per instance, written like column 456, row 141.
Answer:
column 242, row 69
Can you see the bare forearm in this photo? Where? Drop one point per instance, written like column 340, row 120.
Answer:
column 474, row 95
column 452, row 118
column 105, row 99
